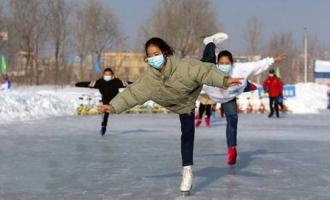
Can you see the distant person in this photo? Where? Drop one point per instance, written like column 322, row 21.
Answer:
column 205, row 106
column 274, row 87
column 5, row 83
column 281, row 105
column 109, row 87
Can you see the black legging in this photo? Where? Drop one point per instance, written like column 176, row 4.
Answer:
column 204, row 108
column 187, row 138
column 105, row 119
column 273, row 105
column 105, row 115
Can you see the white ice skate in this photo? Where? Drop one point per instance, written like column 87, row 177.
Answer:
column 187, row 178
column 217, row 39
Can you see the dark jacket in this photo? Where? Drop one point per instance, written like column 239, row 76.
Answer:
column 108, row 89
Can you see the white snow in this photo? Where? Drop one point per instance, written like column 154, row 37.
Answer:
column 28, row 103
column 310, row 98
column 322, row 66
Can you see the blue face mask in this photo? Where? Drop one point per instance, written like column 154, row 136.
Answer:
column 224, row 68
column 107, row 78
column 156, row 61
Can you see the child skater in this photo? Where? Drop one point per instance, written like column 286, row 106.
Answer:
column 109, row 87
column 227, row 97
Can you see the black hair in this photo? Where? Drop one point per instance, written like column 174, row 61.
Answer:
column 166, row 49
column 108, row 70
column 272, row 71
column 226, row 53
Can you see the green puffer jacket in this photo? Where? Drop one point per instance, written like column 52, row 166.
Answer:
column 176, row 89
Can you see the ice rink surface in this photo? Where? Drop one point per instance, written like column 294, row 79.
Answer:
column 66, row 158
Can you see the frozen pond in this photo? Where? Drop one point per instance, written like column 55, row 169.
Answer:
column 66, row 158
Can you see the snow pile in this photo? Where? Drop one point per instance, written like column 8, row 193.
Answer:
column 310, row 98
column 28, row 103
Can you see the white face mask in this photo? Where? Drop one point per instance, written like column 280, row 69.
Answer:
column 271, row 75
column 107, row 78
column 156, row 62
column 224, row 68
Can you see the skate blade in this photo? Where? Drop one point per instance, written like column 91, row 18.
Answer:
column 185, row 193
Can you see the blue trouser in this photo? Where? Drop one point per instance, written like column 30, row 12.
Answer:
column 230, row 109
column 187, row 138
column 329, row 101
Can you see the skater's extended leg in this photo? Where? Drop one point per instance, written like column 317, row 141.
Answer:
column 209, row 54
column 217, row 39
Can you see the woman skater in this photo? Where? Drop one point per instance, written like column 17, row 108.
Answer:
column 175, row 84
column 227, row 97
column 109, row 87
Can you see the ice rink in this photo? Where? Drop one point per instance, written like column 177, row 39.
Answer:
column 139, row 159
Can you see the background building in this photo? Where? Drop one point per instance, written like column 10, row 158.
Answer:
column 126, row 65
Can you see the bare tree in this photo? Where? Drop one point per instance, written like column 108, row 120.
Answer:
column 39, row 38
column 80, row 37
column 182, row 23
column 3, row 28
column 58, row 19
column 103, row 31
column 291, row 70
column 315, row 51
column 253, row 36
column 27, row 32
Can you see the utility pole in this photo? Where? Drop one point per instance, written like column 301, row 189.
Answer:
column 305, row 46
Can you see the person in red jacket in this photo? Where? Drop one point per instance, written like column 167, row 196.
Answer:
column 274, row 87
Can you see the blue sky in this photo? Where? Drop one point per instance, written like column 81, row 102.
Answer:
column 277, row 16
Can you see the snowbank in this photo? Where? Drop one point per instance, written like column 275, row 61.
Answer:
column 310, row 98
column 28, row 103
